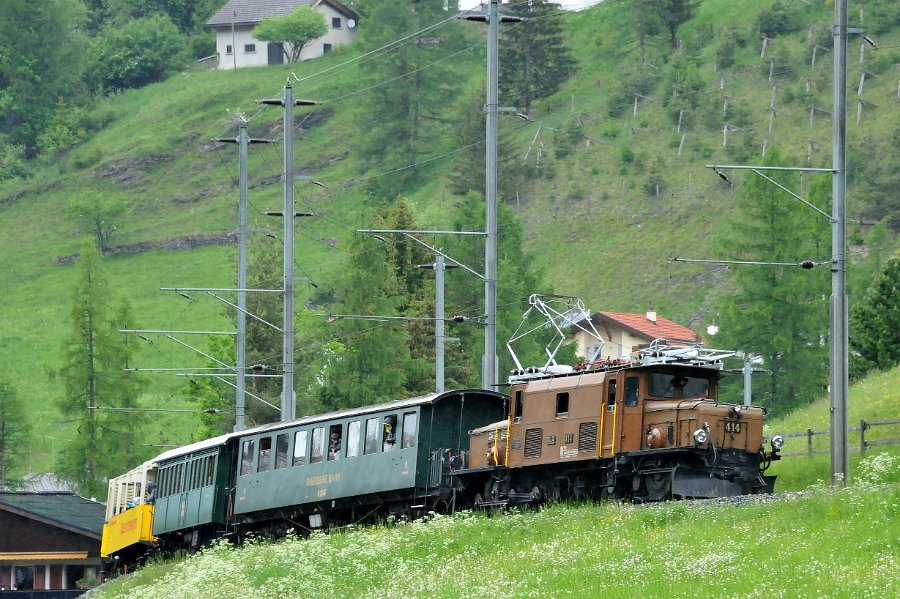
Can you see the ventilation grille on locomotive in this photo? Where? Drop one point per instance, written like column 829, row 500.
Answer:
column 587, row 437
column 533, row 438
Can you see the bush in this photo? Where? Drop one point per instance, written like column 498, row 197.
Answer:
column 12, row 161
column 138, row 54
column 779, row 18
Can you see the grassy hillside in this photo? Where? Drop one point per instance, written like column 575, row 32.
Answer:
column 595, row 222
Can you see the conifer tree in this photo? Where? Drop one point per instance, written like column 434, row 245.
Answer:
column 534, row 60
column 15, row 428
column 778, row 312
column 875, row 323
column 413, row 85
column 93, row 358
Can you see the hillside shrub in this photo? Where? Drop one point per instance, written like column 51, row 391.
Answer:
column 139, row 53
column 781, row 17
column 12, row 161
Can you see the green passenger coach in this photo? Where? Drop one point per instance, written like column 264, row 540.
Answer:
column 346, row 466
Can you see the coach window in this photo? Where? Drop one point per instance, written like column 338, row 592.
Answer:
column 371, row 436
column 562, row 404
column 611, row 396
column 317, row 451
column 520, row 405
column 265, row 454
column 247, row 453
column 390, row 433
column 210, row 470
column 410, row 423
column 632, row 385
column 353, row 439
column 300, row 448
column 281, row 448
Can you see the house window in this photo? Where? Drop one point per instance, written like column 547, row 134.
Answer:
column 249, row 48
column 326, row 48
column 335, row 22
column 228, row 49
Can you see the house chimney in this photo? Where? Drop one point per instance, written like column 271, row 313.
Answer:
column 651, row 316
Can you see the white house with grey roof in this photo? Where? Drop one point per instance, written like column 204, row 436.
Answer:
column 236, row 47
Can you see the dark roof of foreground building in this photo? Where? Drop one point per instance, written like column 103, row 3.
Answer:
column 65, row 510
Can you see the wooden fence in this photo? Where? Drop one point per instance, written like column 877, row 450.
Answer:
column 861, row 429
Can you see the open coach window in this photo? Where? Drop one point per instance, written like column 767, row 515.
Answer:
column 410, row 424
column 247, row 458
column 390, row 433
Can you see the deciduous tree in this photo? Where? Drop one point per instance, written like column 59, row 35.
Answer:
column 293, row 31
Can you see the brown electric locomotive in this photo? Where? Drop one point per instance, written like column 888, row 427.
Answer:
column 647, row 429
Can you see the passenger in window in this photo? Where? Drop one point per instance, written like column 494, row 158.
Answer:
column 334, row 447
column 151, row 493
column 390, row 437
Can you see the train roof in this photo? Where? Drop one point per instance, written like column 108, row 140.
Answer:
column 430, row 398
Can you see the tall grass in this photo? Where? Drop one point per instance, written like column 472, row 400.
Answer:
column 823, row 544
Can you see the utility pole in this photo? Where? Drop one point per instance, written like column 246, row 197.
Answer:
column 241, row 338
column 489, row 376
column 840, row 460
column 440, row 341
column 288, row 401
column 489, row 364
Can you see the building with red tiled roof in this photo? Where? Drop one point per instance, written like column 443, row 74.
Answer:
column 623, row 333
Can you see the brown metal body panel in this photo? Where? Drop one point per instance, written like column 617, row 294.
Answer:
column 730, row 427
column 560, row 420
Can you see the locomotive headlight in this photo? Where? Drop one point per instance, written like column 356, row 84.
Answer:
column 700, row 436
column 777, row 442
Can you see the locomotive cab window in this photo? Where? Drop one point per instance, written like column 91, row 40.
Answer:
column 265, row 454
column 247, row 454
column 562, row 404
column 632, row 387
column 300, row 448
column 611, row 396
column 520, row 405
column 410, row 422
column 353, row 439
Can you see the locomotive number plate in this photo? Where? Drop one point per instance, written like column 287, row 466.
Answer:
column 732, row 427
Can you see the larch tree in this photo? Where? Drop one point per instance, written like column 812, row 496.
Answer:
column 15, row 429
column 93, row 358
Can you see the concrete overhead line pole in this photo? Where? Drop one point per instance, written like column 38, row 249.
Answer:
column 243, row 142
column 840, row 460
column 288, row 401
column 489, row 365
